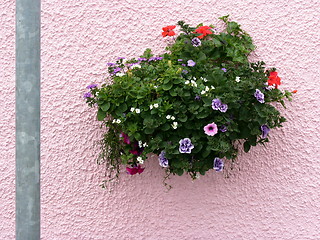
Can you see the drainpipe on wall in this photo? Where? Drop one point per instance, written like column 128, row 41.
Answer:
column 28, row 119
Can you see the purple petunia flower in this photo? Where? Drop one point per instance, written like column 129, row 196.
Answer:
column 259, row 96
column 87, row 95
column 216, row 103
column 265, row 130
column 163, row 161
column 218, row 164
column 185, row 145
column 117, row 69
column 196, row 42
column 92, row 86
column 211, row 129
column 223, row 128
column 180, row 60
column 198, row 98
column 191, row 63
column 119, row 58
column 184, row 71
column 111, row 64
column 223, row 108
column 224, row 69
column 142, row 59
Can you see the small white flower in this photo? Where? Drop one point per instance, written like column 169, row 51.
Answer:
column 168, row 116
column 137, row 110
column 237, row 79
column 193, row 83
column 145, row 145
column 194, row 78
column 204, row 79
column 132, row 109
column 155, row 86
column 136, row 66
column 120, row 74
column 212, row 87
column 203, row 92
column 113, row 121
column 156, row 105
column 118, row 121
column 140, row 144
column 151, row 106
column 173, row 118
column 174, row 125
column 140, row 160
column 187, row 82
column 207, row 89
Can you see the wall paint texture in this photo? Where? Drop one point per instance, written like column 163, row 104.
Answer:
column 273, row 192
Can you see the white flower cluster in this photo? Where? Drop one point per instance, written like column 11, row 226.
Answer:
column 192, row 83
column 136, row 66
column 119, row 74
column 142, row 144
column 116, row 121
column 140, row 160
column 174, row 125
column 170, row 117
column 155, row 105
column 237, row 79
column 207, row 89
column 136, row 110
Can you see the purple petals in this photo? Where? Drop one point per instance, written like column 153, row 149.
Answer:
column 211, row 129
column 117, row 69
column 223, row 108
column 259, row 96
column 224, row 69
column 163, row 161
column 87, row 95
column 223, row 128
column 91, row 86
column 185, row 145
column 218, row 105
column 111, row 64
column 265, row 130
column 196, row 42
column 191, row 63
column 218, row 164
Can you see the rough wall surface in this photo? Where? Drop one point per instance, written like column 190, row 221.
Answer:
column 272, row 194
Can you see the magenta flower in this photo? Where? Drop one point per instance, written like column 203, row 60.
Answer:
column 211, row 129
column 134, row 170
column 125, row 137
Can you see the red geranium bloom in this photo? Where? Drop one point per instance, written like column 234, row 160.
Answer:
column 134, row 170
column 274, row 79
column 168, row 31
column 204, row 30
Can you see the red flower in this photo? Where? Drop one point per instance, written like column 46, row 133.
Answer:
column 204, row 30
column 294, row 91
column 168, row 31
column 274, row 79
column 134, row 170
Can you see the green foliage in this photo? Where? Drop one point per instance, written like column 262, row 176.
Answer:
column 157, row 101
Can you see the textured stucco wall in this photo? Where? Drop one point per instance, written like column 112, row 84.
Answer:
column 274, row 191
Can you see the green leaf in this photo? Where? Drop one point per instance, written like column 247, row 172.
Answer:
column 101, row 114
column 246, row 146
column 167, row 86
column 105, row 107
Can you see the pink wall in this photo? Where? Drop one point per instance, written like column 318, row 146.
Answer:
column 274, row 194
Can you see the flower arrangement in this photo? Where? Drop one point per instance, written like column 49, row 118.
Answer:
column 192, row 106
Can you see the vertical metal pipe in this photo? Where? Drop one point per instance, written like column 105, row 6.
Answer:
column 28, row 119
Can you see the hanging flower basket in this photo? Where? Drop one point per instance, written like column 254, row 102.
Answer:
column 190, row 105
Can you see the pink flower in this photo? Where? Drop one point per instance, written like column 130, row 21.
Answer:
column 211, row 129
